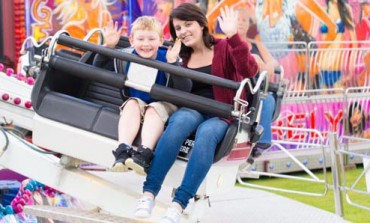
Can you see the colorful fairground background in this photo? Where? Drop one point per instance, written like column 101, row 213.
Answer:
column 320, row 44
column 323, row 47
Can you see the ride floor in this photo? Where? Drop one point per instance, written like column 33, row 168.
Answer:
column 240, row 205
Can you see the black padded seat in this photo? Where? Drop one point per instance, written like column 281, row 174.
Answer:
column 225, row 147
column 106, row 123
column 90, row 105
column 90, row 97
column 69, row 110
column 80, row 113
column 102, row 94
column 78, row 102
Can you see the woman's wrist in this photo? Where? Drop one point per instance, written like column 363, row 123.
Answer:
column 171, row 60
column 178, row 60
column 229, row 35
column 108, row 45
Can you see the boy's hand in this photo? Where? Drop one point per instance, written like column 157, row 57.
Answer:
column 173, row 51
column 228, row 21
column 111, row 34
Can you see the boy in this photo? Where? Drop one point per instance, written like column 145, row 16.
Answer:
column 140, row 110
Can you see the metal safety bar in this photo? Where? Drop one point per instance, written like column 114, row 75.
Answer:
column 66, row 40
column 158, row 92
column 62, row 37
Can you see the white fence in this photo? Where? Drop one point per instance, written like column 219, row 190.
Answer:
column 324, row 120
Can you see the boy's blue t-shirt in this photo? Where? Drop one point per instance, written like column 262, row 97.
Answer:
column 161, row 78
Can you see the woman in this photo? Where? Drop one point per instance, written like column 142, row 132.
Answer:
column 332, row 62
column 266, row 62
column 226, row 58
column 357, row 121
column 363, row 26
column 274, row 25
column 256, row 47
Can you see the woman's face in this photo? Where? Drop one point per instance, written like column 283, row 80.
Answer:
column 243, row 23
column 189, row 32
column 356, row 118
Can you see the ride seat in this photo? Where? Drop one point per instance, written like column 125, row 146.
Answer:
column 91, row 105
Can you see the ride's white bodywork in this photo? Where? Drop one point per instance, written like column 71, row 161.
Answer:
column 18, row 115
column 113, row 193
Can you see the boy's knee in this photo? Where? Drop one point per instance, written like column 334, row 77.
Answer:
column 132, row 103
column 130, row 106
column 150, row 111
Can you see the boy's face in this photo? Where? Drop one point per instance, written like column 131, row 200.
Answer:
column 146, row 43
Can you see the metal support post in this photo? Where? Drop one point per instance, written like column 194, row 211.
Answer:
column 335, row 169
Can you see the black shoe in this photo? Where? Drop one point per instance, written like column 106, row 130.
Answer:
column 121, row 154
column 257, row 151
column 262, row 145
column 141, row 160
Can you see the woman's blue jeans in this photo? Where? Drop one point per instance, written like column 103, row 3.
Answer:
column 268, row 108
column 209, row 133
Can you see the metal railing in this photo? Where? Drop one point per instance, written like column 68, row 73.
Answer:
column 342, row 144
column 323, row 64
column 312, row 177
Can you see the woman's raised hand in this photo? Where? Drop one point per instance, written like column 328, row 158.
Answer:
column 228, row 21
column 111, row 34
column 173, row 51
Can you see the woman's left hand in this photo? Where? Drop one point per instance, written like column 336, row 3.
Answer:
column 228, row 21
column 173, row 51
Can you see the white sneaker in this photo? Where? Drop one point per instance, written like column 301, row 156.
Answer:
column 119, row 167
column 173, row 215
column 144, row 207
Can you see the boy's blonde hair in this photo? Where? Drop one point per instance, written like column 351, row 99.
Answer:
column 147, row 23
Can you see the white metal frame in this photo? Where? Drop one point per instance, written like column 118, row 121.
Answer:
column 100, row 188
column 248, row 172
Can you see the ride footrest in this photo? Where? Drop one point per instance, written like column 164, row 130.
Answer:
column 256, row 133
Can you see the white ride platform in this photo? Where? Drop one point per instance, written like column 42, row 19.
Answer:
column 239, row 205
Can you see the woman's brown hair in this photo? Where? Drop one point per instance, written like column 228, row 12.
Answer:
column 190, row 12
